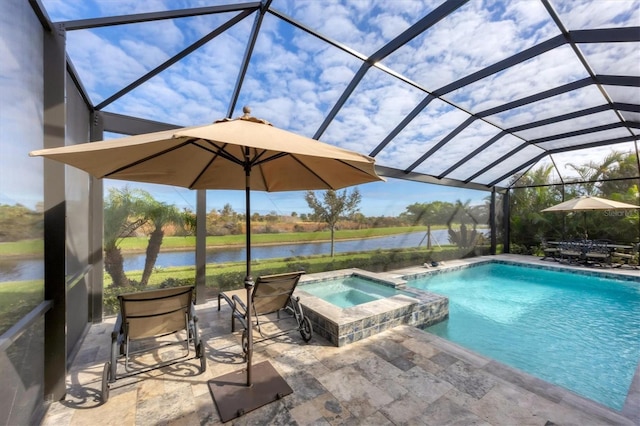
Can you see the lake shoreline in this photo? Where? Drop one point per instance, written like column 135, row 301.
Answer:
column 278, row 243
column 23, row 256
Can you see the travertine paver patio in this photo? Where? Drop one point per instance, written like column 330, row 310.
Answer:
column 400, row 376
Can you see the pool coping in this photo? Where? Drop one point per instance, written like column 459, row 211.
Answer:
column 342, row 326
column 631, row 408
column 398, row 279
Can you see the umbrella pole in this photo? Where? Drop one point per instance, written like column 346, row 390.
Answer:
column 233, row 396
column 248, row 280
column 586, row 235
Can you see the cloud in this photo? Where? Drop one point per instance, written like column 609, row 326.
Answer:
column 295, row 79
column 582, row 14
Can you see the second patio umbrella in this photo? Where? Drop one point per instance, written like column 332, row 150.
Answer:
column 244, row 153
column 587, row 203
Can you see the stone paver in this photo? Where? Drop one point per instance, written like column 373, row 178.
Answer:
column 402, row 376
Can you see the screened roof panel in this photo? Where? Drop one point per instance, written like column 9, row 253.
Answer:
column 585, row 139
column 624, row 94
column 575, row 124
column 544, row 72
column 302, row 86
column 135, row 51
column 497, row 173
column 374, row 108
column 456, row 46
column 188, row 101
column 470, row 137
column 363, row 26
column 460, row 91
column 610, row 58
column 548, row 108
column 433, row 124
column 476, row 162
column 587, row 14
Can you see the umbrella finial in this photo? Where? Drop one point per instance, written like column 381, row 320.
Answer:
column 247, row 117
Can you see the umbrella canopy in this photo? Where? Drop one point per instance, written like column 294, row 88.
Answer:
column 244, row 153
column 587, row 203
column 217, row 155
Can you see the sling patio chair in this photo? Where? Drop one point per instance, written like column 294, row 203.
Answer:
column 271, row 294
column 144, row 320
column 571, row 251
column 549, row 250
column 598, row 253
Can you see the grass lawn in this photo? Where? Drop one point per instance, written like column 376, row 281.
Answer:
column 31, row 248
column 22, row 248
column 186, row 243
column 17, row 299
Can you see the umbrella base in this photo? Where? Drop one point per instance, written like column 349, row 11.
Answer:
column 234, row 398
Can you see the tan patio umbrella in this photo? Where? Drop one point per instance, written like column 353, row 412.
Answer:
column 587, row 203
column 244, row 153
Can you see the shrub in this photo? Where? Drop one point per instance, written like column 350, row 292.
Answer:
column 226, row 277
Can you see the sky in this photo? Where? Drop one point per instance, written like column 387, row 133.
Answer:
column 297, row 91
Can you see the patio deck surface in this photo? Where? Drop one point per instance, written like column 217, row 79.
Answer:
column 402, row 376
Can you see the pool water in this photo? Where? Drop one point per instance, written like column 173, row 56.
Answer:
column 577, row 331
column 346, row 292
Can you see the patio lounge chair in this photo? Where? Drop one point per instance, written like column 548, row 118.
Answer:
column 271, row 294
column 144, row 318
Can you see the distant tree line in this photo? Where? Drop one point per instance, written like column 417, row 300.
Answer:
column 18, row 222
column 130, row 212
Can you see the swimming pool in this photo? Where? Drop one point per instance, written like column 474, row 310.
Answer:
column 581, row 332
column 349, row 291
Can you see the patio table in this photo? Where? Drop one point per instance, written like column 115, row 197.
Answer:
column 578, row 249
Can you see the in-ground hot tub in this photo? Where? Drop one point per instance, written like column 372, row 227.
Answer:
column 351, row 290
column 366, row 304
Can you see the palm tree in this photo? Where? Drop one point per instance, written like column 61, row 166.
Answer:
column 121, row 219
column 528, row 224
column 428, row 214
column 462, row 238
column 620, row 187
column 158, row 215
column 617, row 167
column 591, row 172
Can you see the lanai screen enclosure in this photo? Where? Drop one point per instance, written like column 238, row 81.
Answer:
column 469, row 94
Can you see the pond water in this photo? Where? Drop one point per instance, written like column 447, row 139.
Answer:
column 134, row 262
column 30, row 269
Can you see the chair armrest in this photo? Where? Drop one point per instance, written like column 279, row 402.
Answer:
column 226, row 298
column 238, row 304
column 240, row 317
